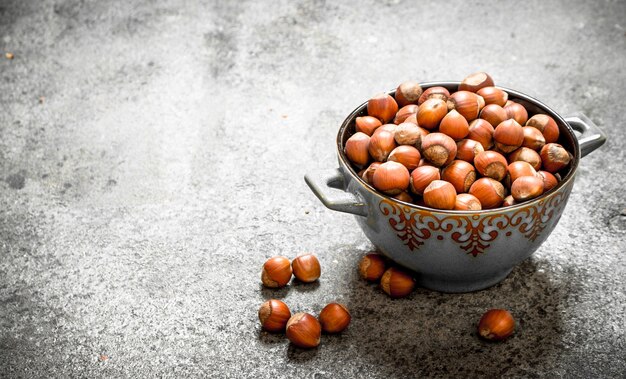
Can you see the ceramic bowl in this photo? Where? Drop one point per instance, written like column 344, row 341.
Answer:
column 455, row 251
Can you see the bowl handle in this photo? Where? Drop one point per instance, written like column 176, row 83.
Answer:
column 329, row 187
column 591, row 136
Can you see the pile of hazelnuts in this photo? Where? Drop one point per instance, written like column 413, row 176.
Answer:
column 393, row 280
column 468, row 150
column 302, row 329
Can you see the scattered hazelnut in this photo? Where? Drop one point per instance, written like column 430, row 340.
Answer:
column 397, row 282
column 496, row 325
column 304, row 331
column 372, row 267
column 274, row 315
column 276, row 272
column 334, row 318
column 306, row 268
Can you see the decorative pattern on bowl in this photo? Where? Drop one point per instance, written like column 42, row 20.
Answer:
column 472, row 233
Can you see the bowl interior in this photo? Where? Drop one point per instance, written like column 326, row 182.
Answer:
column 567, row 138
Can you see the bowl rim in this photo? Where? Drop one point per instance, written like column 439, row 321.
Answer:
column 563, row 125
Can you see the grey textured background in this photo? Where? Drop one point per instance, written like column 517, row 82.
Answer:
column 152, row 155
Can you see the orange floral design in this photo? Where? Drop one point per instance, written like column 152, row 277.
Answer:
column 473, row 233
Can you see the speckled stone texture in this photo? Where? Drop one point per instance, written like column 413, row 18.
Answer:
column 152, row 156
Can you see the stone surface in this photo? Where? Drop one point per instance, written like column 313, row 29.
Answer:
column 152, row 155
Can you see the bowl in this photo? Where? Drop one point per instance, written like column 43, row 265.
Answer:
column 455, row 251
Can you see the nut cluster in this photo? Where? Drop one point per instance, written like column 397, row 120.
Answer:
column 468, row 150
column 394, row 281
column 302, row 329
column 277, row 270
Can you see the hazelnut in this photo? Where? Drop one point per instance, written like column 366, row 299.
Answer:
column 303, row 330
column 491, row 164
column 468, row 104
column 404, row 113
column 408, row 92
column 481, row 131
column 440, row 195
column 406, row 155
column 493, row 114
column 383, row 107
column 549, row 181
column 496, row 325
column 508, row 136
column 274, row 315
column 518, row 169
column 382, row 142
column 554, row 157
column 546, row 125
column 367, row 124
column 334, row 318
column 516, row 111
column 526, row 188
column 454, row 125
column 306, row 268
column 526, row 155
column 460, row 174
column 430, row 113
column 276, row 272
column 422, row 176
column 533, row 139
column 467, row 149
column 440, row 93
column 391, row 178
column 368, row 173
column 409, row 134
column 467, row 202
column 493, row 95
column 476, row 81
column 438, row 148
column 397, row 282
column 372, row 267
column 488, row 191
column 508, row 201
column 356, row 149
